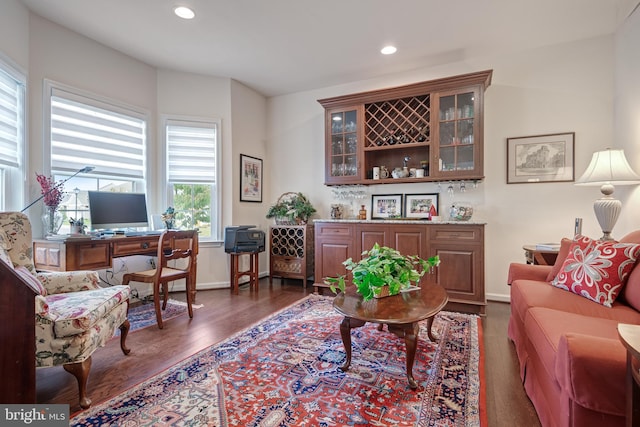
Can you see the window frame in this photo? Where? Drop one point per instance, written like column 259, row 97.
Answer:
column 216, row 199
column 13, row 180
column 110, row 104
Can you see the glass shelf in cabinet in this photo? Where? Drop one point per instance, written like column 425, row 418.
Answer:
column 336, row 147
column 337, row 121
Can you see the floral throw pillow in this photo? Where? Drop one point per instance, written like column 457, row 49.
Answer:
column 597, row 270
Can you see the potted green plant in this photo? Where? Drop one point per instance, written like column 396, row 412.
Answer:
column 383, row 271
column 291, row 208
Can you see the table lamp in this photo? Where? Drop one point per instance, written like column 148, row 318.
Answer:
column 608, row 168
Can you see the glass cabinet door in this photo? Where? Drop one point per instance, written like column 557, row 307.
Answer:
column 457, row 147
column 343, row 149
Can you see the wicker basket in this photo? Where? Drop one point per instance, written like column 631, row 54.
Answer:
column 284, row 220
column 287, row 221
column 384, row 292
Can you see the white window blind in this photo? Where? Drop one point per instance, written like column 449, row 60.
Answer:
column 191, row 152
column 86, row 131
column 11, row 119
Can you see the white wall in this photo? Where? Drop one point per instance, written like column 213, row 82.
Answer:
column 551, row 90
column 249, row 127
column 627, row 114
column 14, row 32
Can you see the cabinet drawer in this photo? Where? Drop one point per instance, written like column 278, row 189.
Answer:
column 123, row 247
column 454, row 233
column 338, row 230
column 287, row 265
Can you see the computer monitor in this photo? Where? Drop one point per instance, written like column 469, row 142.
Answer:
column 111, row 210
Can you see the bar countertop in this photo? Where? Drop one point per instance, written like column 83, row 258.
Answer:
column 399, row 221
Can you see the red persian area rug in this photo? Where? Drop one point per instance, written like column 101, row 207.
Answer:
column 285, row 371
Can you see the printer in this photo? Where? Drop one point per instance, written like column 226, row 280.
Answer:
column 243, row 238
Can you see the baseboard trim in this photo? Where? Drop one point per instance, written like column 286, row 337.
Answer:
column 498, row 297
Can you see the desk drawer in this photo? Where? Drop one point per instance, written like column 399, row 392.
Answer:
column 125, row 247
column 58, row 256
column 88, row 256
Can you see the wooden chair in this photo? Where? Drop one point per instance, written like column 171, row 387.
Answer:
column 180, row 247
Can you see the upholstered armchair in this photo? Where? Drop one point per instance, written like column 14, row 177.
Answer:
column 74, row 314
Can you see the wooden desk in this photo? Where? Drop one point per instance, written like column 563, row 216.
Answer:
column 540, row 256
column 630, row 337
column 85, row 253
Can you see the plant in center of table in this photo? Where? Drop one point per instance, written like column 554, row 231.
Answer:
column 383, row 266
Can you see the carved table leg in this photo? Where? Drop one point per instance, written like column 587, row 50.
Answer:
column 345, row 331
column 408, row 331
column 429, row 332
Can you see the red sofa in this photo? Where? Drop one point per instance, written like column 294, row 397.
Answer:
column 572, row 363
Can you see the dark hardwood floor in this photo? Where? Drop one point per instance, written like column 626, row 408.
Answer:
column 223, row 314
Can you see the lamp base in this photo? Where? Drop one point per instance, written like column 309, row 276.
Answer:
column 607, row 210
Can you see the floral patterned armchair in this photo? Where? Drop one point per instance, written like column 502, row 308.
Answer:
column 74, row 315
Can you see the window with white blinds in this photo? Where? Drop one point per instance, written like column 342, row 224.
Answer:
column 12, row 91
column 86, row 131
column 193, row 172
column 191, row 151
column 13, row 141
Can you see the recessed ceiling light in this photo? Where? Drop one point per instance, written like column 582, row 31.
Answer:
column 184, row 12
column 388, row 50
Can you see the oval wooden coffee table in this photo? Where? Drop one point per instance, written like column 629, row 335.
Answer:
column 401, row 313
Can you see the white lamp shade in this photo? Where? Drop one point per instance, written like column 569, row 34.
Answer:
column 609, row 167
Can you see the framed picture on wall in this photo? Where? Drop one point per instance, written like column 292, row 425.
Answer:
column 420, row 206
column 250, row 179
column 386, row 206
column 540, row 158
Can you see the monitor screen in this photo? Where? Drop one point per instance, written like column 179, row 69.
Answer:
column 110, row 210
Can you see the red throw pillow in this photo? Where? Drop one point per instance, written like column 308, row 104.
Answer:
column 597, row 270
column 565, row 244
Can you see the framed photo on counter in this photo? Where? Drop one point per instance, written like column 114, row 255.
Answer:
column 386, row 206
column 420, row 206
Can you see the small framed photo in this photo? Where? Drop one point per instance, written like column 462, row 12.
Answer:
column 250, row 179
column 386, row 206
column 420, row 206
column 540, row 158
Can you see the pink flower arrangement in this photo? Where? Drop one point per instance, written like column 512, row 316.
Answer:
column 51, row 190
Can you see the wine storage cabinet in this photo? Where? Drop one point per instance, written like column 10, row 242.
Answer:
column 291, row 252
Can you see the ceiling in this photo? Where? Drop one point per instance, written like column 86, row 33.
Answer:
column 285, row 46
